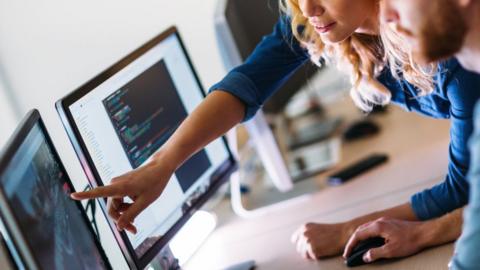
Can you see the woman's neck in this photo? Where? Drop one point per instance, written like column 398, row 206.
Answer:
column 371, row 26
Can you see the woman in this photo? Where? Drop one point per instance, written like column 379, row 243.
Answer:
column 347, row 33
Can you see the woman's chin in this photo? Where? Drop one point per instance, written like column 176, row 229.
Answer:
column 332, row 38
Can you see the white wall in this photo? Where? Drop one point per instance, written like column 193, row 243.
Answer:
column 48, row 48
column 8, row 120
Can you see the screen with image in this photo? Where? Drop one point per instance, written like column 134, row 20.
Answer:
column 37, row 189
column 127, row 117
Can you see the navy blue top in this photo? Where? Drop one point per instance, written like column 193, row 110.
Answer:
column 278, row 55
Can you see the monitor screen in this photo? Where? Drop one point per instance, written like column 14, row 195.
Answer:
column 127, row 115
column 248, row 21
column 53, row 232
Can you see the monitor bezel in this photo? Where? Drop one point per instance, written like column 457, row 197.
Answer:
column 62, row 106
column 10, row 222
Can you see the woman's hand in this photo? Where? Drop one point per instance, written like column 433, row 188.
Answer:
column 402, row 238
column 314, row 241
column 142, row 186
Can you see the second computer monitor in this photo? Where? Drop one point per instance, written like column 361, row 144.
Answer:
column 44, row 227
column 124, row 115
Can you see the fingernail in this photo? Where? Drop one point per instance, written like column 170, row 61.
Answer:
column 366, row 258
column 132, row 229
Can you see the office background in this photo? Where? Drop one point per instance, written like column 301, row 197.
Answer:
column 49, row 48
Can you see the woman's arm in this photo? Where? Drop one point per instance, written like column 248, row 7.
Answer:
column 218, row 113
column 243, row 91
column 461, row 88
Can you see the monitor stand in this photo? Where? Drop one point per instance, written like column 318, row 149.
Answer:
column 165, row 260
column 275, row 199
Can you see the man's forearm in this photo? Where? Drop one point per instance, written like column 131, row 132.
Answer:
column 403, row 212
column 430, row 233
column 444, row 229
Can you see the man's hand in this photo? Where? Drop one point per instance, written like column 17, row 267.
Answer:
column 142, row 186
column 314, row 241
column 402, row 238
column 398, row 225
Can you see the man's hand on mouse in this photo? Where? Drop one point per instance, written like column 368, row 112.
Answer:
column 314, row 241
column 402, row 238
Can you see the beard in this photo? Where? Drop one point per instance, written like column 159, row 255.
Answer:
column 442, row 32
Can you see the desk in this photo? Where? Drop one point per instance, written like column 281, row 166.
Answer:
column 418, row 148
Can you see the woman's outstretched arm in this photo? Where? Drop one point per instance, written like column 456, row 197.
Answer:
column 217, row 114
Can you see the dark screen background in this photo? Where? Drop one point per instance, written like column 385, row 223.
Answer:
column 145, row 113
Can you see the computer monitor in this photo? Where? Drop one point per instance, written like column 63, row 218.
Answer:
column 240, row 26
column 117, row 120
column 45, row 228
column 7, row 262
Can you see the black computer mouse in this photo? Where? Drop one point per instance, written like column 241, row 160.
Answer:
column 356, row 256
column 360, row 130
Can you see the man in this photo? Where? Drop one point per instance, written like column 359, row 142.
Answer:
column 436, row 30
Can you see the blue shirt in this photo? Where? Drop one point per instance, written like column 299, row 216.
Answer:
column 278, row 55
column 467, row 247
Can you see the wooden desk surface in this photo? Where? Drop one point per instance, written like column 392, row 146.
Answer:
column 418, row 149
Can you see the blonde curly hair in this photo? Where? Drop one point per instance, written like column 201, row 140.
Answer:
column 363, row 57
